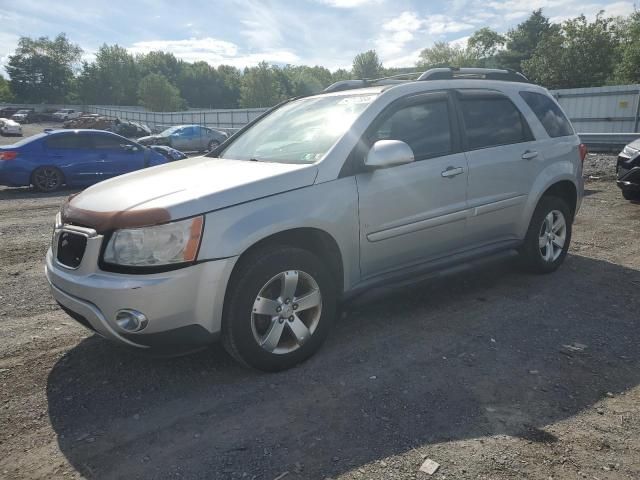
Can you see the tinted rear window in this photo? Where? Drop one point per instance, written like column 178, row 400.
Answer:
column 492, row 121
column 72, row 140
column 550, row 115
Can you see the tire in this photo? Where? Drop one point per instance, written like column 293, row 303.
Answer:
column 47, row 179
column 547, row 241
column 213, row 144
column 630, row 194
column 268, row 341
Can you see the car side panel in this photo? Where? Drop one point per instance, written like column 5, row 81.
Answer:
column 331, row 207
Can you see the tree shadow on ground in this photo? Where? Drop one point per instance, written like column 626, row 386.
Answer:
column 490, row 352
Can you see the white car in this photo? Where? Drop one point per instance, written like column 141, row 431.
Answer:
column 66, row 114
column 10, row 127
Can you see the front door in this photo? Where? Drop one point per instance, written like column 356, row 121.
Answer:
column 414, row 212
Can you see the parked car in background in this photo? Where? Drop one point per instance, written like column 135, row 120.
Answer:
column 628, row 171
column 170, row 154
column 194, row 138
column 24, row 115
column 6, row 112
column 66, row 114
column 76, row 158
column 320, row 199
column 10, row 127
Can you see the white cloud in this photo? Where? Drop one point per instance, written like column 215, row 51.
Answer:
column 214, row 52
column 348, row 3
column 441, row 24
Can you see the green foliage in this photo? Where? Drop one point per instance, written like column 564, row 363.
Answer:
column 41, row 70
column 367, row 65
column 158, row 94
column 111, row 79
column 579, row 54
column 444, row 54
column 5, row 90
column 485, row 43
column 261, row 86
column 627, row 69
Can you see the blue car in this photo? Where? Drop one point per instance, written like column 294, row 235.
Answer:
column 76, row 158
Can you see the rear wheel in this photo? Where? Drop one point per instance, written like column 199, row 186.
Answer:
column 279, row 309
column 548, row 237
column 47, row 179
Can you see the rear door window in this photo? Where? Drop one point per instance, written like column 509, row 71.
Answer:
column 549, row 113
column 492, row 120
column 71, row 141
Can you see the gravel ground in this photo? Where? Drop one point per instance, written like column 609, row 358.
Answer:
column 493, row 374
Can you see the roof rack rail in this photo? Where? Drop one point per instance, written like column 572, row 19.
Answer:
column 443, row 73
column 450, row 73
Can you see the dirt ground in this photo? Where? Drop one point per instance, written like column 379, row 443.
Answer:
column 494, row 374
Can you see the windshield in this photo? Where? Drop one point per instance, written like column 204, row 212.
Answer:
column 170, row 130
column 299, row 132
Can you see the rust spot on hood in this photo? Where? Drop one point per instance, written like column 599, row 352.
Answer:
column 105, row 221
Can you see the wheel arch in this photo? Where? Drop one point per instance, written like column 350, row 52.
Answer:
column 315, row 240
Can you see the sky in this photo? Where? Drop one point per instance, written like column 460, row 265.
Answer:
column 244, row 32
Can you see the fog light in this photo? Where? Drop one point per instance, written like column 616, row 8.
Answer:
column 131, row 320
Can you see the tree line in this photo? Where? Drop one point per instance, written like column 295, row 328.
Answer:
column 575, row 53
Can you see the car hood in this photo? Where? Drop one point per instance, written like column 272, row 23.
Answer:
column 181, row 189
column 635, row 144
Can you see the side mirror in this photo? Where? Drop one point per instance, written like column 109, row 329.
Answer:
column 388, row 153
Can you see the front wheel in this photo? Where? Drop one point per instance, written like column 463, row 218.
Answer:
column 47, row 179
column 547, row 242
column 213, row 144
column 279, row 309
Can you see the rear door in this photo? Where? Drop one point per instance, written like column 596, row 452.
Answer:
column 414, row 212
column 503, row 159
column 185, row 139
column 74, row 155
column 117, row 155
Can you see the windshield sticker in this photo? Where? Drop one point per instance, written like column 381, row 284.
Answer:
column 357, row 100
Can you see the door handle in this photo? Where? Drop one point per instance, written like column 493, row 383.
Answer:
column 529, row 154
column 451, row 172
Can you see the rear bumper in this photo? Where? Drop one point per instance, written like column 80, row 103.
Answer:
column 183, row 307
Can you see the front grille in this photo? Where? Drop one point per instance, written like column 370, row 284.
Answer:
column 71, row 248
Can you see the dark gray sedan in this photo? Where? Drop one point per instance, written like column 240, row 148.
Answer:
column 187, row 138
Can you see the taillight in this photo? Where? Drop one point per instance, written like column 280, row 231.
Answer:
column 583, row 151
column 8, row 155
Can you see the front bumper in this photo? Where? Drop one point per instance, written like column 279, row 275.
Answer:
column 628, row 172
column 183, row 307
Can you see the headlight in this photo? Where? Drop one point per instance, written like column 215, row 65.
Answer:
column 630, row 151
column 167, row 244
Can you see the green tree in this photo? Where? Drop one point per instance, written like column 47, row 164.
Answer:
column 200, row 85
column 231, row 81
column 444, row 54
column 580, row 54
column 5, row 90
column 157, row 94
column 340, row 74
column 484, row 43
column 166, row 64
column 523, row 40
column 367, row 65
column 41, row 70
column 261, row 87
column 112, row 79
column 627, row 69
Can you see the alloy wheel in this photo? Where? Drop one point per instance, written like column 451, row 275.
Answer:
column 552, row 236
column 47, row 179
column 286, row 312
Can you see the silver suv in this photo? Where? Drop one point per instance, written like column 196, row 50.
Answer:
column 320, row 199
